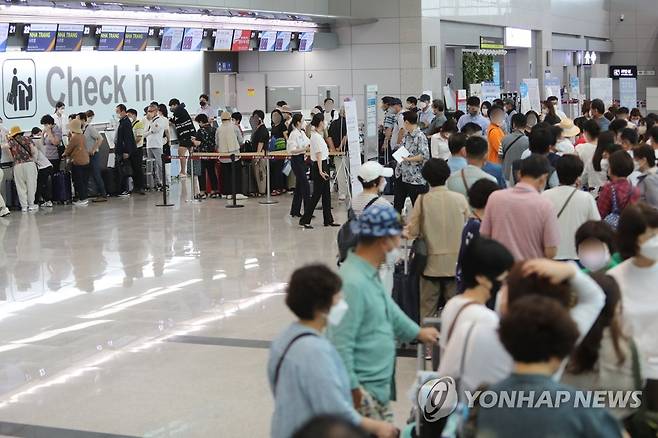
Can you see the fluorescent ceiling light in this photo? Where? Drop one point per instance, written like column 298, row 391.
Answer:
column 41, row 14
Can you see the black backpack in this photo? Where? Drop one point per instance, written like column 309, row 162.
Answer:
column 346, row 238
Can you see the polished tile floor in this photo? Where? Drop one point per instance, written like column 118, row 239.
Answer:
column 124, row 319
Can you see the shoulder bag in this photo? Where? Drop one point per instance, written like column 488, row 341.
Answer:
column 567, row 202
column 612, row 218
column 418, row 255
column 277, row 370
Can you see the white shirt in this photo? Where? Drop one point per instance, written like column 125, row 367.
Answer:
column 586, row 152
column 472, row 313
column 640, row 312
column 560, row 114
column 318, row 145
column 297, row 142
column 486, row 361
column 155, row 133
column 61, row 122
column 580, row 209
column 439, row 147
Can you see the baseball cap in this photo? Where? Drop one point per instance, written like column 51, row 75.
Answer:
column 378, row 221
column 371, row 170
column 424, row 98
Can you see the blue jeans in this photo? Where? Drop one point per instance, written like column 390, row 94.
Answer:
column 96, row 174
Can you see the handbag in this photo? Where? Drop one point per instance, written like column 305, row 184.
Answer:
column 418, row 253
column 612, row 218
column 644, row 423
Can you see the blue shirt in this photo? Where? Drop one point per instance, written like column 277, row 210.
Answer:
column 495, row 170
column 603, row 123
column 312, row 381
column 456, row 163
column 478, row 119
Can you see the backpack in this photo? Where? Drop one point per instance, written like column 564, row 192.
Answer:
column 649, row 189
column 346, row 237
column 276, row 144
column 612, row 218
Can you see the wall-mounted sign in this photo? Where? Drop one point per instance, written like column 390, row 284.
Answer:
column 491, row 43
column 623, row 71
column 69, row 38
column 111, row 38
column 515, row 37
column 135, row 39
column 42, row 38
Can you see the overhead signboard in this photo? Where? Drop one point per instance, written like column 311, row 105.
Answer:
column 135, row 39
column 223, row 39
column 172, row 39
column 282, row 41
column 192, row 39
column 515, row 37
column 69, row 38
column 492, row 43
column 267, row 41
column 111, row 38
column 628, row 92
column 241, row 40
column 42, row 38
column 623, row 71
column 306, row 41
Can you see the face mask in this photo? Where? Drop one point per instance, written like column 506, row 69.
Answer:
column 641, row 130
column 605, row 165
column 649, row 249
column 393, row 256
column 337, row 312
column 595, row 260
column 485, row 112
column 382, row 185
column 202, row 103
column 422, row 105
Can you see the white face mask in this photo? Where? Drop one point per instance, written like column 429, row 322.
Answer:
column 422, row 105
column 382, row 185
column 649, row 249
column 485, row 112
column 605, row 165
column 595, row 260
column 337, row 312
column 393, row 256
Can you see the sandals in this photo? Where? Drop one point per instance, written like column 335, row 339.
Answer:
column 200, row 197
column 216, row 195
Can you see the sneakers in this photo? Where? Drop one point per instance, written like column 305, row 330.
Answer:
column 47, row 204
column 4, row 212
column 241, row 197
column 81, row 203
column 99, row 199
column 33, row 208
column 24, row 209
column 124, row 195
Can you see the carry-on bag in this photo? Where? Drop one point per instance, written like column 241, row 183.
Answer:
column 62, row 191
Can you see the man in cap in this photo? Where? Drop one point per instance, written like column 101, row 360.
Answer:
column 372, row 177
column 365, row 338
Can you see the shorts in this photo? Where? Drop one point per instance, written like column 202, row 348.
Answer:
column 373, row 408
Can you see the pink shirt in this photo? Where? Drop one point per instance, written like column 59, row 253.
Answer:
column 522, row 220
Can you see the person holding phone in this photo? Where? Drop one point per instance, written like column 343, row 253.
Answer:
column 319, row 175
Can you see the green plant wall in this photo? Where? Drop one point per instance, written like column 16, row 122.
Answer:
column 477, row 68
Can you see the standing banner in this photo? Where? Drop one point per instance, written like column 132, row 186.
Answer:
column 552, row 88
column 371, row 139
column 461, row 100
column 574, row 87
column 628, row 92
column 449, row 97
column 490, row 92
column 601, row 88
column 534, row 102
column 475, row 90
column 354, row 146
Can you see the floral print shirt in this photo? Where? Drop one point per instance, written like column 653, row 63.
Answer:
column 416, row 143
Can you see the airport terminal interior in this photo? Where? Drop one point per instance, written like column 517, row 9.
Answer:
column 328, row 218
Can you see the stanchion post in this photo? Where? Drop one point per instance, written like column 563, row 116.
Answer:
column 234, row 204
column 268, row 200
column 165, row 188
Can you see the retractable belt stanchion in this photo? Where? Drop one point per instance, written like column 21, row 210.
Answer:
column 234, row 204
column 268, row 200
column 165, row 187
column 194, row 198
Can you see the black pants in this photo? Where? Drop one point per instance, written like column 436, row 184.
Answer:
column 322, row 190
column 278, row 180
column 80, row 175
column 43, row 185
column 135, row 160
column 56, row 164
column 402, row 190
column 302, row 188
column 208, row 166
column 226, row 174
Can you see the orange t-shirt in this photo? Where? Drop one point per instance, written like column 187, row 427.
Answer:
column 495, row 137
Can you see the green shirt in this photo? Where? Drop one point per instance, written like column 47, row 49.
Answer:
column 365, row 338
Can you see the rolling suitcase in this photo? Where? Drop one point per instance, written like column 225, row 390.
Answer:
column 62, row 191
column 110, row 181
column 147, row 166
column 10, row 195
column 406, row 289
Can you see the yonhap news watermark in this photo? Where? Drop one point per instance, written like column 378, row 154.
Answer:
column 438, row 398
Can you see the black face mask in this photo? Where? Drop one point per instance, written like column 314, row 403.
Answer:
column 203, row 103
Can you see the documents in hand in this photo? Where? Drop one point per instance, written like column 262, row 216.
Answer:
column 401, row 153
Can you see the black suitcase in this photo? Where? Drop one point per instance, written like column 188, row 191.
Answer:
column 62, row 188
column 406, row 291
column 10, row 194
column 111, row 181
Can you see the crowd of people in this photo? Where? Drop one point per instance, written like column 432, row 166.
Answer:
column 540, row 238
